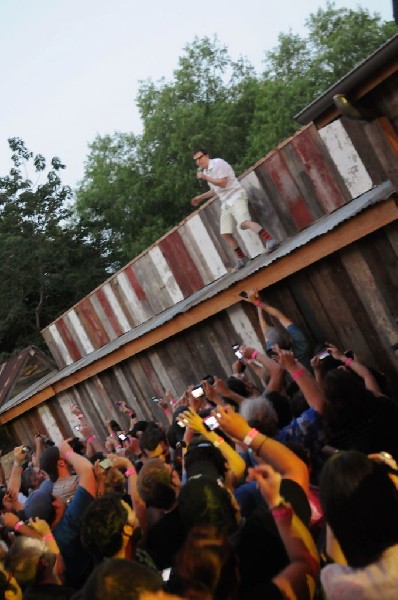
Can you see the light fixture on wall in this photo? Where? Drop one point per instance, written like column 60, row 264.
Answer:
column 347, row 109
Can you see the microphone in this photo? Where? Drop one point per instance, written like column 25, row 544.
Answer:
column 200, row 181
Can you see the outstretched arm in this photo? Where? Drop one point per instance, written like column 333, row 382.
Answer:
column 306, row 382
column 82, row 466
column 237, row 465
column 272, row 452
column 298, row 579
column 358, row 368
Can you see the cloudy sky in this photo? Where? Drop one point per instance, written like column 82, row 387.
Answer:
column 71, row 68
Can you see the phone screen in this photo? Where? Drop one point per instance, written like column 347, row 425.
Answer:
column 105, row 464
column 211, row 422
column 122, row 437
column 197, row 392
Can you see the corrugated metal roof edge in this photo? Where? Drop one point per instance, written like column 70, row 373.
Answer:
column 322, row 226
column 372, row 63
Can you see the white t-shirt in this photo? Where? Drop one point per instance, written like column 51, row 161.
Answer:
column 378, row 581
column 218, row 169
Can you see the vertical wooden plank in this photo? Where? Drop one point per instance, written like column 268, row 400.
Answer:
column 72, row 348
column 56, row 345
column 346, row 158
column 137, row 310
column 92, row 324
column 77, row 332
column 181, row 264
column 166, row 275
column 288, row 190
column 209, row 262
column 112, row 309
column 102, row 317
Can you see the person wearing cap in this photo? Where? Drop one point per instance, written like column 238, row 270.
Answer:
column 221, row 179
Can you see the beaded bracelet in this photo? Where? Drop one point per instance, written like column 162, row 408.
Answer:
column 18, row 525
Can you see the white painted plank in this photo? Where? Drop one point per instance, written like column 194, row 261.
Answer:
column 59, row 342
column 80, row 331
column 117, row 309
column 206, row 247
column 50, row 424
column 134, row 305
column 245, row 333
column 346, row 158
column 166, row 274
column 99, row 311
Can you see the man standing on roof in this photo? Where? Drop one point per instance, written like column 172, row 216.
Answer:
column 223, row 183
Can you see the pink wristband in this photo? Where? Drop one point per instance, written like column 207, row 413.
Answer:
column 254, row 354
column 68, row 454
column 18, row 525
column 130, row 471
column 348, row 361
column 80, row 416
column 167, row 411
column 250, row 436
column 91, row 439
column 257, row 302
column 48, row 537
column 281, row 512
column 296, row 374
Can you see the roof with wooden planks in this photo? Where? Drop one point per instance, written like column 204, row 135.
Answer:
column 308, row 176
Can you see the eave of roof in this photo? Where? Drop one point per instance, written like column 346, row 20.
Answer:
column 332, row 232
column 362, row 74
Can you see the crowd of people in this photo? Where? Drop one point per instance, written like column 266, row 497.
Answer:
column 279, row 482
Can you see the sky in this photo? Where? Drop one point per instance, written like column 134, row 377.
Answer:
column 70, row 69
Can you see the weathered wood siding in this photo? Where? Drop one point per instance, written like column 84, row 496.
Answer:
column 349, row 298
column 309, row 175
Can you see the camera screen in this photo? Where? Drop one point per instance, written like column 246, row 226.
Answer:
column 197, row 392
column 211, row 422
column 323, row 354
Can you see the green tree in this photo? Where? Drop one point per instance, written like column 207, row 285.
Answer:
column 46, row 260
column 300, row 69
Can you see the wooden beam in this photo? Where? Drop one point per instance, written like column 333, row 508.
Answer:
column 346, row 233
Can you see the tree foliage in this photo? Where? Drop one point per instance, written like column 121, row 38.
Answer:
column 46, row 260
column 135, row 188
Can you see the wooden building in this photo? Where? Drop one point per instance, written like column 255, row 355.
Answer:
column 171, row 315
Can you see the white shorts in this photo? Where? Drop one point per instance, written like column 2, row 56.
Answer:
column 235, row 214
